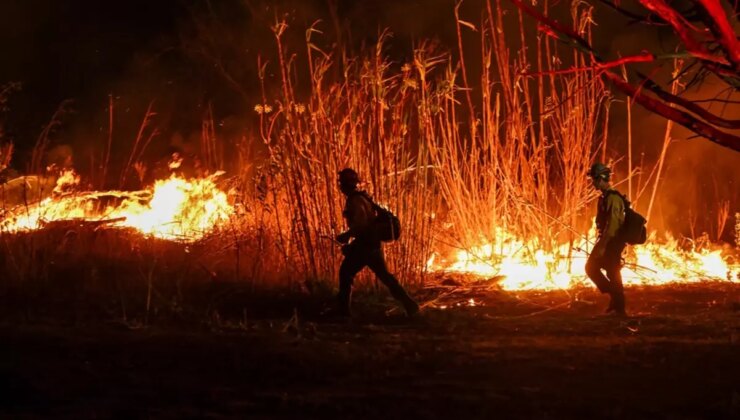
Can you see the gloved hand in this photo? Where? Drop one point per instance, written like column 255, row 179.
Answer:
column 346, row 249
column 343, row 238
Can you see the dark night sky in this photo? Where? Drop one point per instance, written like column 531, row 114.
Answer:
column 75, row 50
column 69, row 48
column 85, row 49
column 136, row 50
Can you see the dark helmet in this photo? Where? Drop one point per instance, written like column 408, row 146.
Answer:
column 349, row 177
column 599, row 170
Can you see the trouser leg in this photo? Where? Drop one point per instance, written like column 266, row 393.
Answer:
column 378, row 266
column 351, row 265
column 593, row 271
column 613, row 267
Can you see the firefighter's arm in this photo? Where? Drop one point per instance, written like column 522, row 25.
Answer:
column 357, row 218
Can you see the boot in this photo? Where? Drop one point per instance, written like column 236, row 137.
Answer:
column 411, row 307
column 336, row 311
column 619, row 304
column 610, row 308
column 341, row 307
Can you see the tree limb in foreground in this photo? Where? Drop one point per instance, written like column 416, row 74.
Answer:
column 706, row 129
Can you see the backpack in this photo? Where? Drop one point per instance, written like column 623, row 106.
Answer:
column 386, row 226
column 633, row 230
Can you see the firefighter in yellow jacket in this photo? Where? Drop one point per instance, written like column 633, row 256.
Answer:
column 607, row 253
column 365, row 249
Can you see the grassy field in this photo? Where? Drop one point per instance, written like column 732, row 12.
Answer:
column 525, row 355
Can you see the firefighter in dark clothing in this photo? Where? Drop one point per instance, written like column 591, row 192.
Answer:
column 607, row 253
column 365, row 249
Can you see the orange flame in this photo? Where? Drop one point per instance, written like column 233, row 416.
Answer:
column 174, row 209
column 523, row 265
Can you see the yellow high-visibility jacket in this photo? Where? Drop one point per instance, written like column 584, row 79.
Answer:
column 610, row 215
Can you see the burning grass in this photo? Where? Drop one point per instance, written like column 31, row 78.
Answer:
column 518, row 265
column 175, row 209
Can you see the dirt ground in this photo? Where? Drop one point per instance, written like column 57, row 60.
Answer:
column 525, row 355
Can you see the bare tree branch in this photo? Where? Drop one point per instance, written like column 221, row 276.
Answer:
column 688, row 105
column 649, row 19
column 683, row 28
column 717, row 22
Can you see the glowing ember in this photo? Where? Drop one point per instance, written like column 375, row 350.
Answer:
column 175, row 209
column 522, row 265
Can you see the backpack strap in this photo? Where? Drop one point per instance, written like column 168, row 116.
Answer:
column 368, row 198
column 626, row 202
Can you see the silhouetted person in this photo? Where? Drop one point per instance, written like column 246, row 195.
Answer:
column 365, row 249
column 607, row 253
